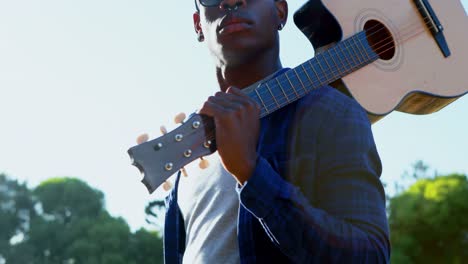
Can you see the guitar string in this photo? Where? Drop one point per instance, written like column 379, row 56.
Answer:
column 211, row 135
column 351, row 47
column 405, row 36
column 322, row 79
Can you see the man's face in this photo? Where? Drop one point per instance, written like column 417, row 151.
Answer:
column 237, row 33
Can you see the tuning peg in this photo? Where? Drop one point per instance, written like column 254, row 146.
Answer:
column 167, row 186
column 184, row 172
column 142, row 138
column 179, row 118
column 204, row 163
column 163, row 130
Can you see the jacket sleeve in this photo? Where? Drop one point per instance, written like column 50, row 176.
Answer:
column 345, row 221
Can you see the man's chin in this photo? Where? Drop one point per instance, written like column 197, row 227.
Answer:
column 239, row 44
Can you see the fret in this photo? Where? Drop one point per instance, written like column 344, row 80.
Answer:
column 331, row 70
column 337, row 67
column 347, row 64
column 347, row 49
column 320, row 64
column 325, row 72
column 302, row 84
column 305, row 71
column 344, row 62
column 316, row 74
column 357, row 47
column 328, row 73
column 261, row 100
column 272, row 95
column 364, row 49
column 355, row 53
column 282, row 90
column 290, row 82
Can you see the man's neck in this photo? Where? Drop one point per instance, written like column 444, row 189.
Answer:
column 245, row 74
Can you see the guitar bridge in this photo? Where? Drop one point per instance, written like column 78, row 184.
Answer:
column 434, row 25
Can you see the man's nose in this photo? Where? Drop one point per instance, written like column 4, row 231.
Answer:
column 231, row 5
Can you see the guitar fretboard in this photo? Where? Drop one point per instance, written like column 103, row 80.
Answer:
column 345, row 57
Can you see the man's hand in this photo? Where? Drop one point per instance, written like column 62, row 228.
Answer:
column 236, row 118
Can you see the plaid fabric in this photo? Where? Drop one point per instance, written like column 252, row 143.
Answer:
column 315, row 195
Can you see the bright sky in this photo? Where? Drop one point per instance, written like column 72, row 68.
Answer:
column 79, row 80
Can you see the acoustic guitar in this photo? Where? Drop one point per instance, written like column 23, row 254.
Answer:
column 405, row 55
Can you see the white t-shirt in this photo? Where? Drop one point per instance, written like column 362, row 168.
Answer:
column 209, row 205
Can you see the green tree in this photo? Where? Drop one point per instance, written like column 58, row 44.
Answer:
column 146, row 247
column 428, row 221
column 65, row 199
column 155, row 214
column 69, row 224
column 16, row 208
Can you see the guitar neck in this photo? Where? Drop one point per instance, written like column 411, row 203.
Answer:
column 340, row 60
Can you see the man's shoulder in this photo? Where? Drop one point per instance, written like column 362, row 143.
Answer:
column 325, row 105
column 326, row 101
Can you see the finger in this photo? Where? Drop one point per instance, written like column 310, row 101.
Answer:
column 235, row 90
column 211, row 109
column 142, row 138
column 237, row 96
column 240, row 94
column 237, row 106
column 224, row 103
column 229, row 101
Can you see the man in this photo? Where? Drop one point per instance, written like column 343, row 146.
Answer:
column 298, row 186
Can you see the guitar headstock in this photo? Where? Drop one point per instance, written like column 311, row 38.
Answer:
column 160, row 158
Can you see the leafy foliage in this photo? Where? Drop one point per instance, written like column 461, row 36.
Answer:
column 16, row 207
column 429, row 222
column 154, row 213
column 63, row 220
column 66, row 198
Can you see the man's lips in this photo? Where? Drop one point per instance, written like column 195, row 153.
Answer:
column 230, row 25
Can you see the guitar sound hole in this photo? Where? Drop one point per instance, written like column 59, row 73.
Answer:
column 380, row 39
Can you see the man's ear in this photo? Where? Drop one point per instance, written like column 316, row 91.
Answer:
column 282, row 11
column 196, row 23
column 197, row 27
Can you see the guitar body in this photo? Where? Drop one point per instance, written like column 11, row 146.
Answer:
column 416, row 77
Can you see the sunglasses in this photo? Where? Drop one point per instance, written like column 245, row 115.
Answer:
column 211, row 3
